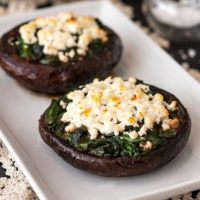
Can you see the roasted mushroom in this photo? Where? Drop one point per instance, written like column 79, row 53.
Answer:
column 116, row 127
column 54, row 54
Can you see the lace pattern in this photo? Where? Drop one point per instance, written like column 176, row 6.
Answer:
column 15, row 185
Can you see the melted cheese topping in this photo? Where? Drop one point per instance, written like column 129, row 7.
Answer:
column 108, row 106
column 58, row 33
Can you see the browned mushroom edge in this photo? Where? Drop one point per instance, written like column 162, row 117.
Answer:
column 123, row 165
column 59, row 79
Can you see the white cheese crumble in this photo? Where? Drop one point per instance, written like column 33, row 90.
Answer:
column 58, row 33
column 108, row 106
column 63, row 104
column 146, row 146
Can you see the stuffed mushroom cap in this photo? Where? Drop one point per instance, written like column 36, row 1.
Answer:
column 54, row 54
column 116, row 127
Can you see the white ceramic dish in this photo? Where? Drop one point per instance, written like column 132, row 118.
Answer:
column 48, row 174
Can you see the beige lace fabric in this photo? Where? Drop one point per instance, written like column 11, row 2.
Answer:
column 15, row 186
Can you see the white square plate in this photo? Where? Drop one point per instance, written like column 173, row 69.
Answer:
column 49, row 175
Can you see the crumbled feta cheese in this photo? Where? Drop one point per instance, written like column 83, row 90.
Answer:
column 165, row 124
column 84, row 40
column 71, row 53
column 65, row 16
column 28, row 33
column 146, row 146
column 70, row 42
column 159, row 97
column 70, row 128
column 50, row 50
column 172, row 106
column 93, row 133
column 63, row 104
column 109, row 106
column 63, row 57
column 81, row 52
column 56, row 34
column 133, row 135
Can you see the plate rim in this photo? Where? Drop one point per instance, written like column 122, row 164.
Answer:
column 6, row 137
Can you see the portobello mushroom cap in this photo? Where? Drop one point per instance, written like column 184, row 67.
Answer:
column 124, row 165
column 57, row 79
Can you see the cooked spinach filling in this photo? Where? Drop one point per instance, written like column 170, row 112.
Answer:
column 34, row 52
column 107, row 145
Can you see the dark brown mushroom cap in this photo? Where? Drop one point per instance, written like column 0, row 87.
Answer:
column 124, row 166
column 51, row 79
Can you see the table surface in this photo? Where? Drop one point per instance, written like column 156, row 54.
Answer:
column 2, row 171
column 173, row 50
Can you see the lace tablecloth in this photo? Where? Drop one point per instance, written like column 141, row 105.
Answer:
column 14, row 185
